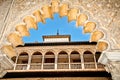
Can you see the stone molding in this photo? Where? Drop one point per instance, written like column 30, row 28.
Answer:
column 5, row 64
column 56, row 49
column 111, row 60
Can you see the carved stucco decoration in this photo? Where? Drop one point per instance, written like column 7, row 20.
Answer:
column 101, row 46
column 9, row 50
column 111, row 60
column 56, row 49
column 72, row 14
column 46, row 12
column 113, row 68
column 15, row 39
column 55, row 6
column 63, row 10
column 30, row 22
column 89, row 27
column 22, row 29
column 104, row 13
column 81, row 19
column 4, row 7
column 96, row 35
column 38, row 16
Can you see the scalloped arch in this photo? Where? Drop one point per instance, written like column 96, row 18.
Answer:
column 47, row 11
column 96, row 36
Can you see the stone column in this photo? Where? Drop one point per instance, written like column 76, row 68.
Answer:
column 111, row 60
column 56, row 61
column 5, row 64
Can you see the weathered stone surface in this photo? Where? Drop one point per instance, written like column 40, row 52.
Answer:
column 9, row 51
column 89, row 27
column 19, row 9
column 114, row 29
column 4, row 10
column 111, row 60
column 15, row 39
column 38, row 16
column 81, row 19
column 101, row 46
column 5, row 64
column 22, row 29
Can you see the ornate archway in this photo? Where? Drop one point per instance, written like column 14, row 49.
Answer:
column 64, row 8
column 108, row 17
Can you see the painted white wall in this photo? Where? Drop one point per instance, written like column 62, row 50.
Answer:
column 56, row 40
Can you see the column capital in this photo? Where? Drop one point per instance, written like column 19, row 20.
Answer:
column 111, row 60
column 106, row 57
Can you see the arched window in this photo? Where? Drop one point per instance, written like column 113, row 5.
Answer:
column 75, row 57
column 89, row 61
column 22, row 61
column 36, row 58
column 49, row 60
column 75, row 60
column 63, row 60
column 49, row 57
column 23, row 58
column 63, row 57
column 36, row 61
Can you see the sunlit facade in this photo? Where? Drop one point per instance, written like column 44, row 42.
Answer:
column 58, row 56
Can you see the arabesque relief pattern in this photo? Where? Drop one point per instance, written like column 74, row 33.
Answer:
column 103, row 13
column 64, row 8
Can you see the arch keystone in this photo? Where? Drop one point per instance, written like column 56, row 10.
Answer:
column 15, row 39
column 89, row 27
column 9, row 50
column 30, row 22
column 96, row 35
column 22, row 29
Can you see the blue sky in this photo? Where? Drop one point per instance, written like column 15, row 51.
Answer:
column 51, row 27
